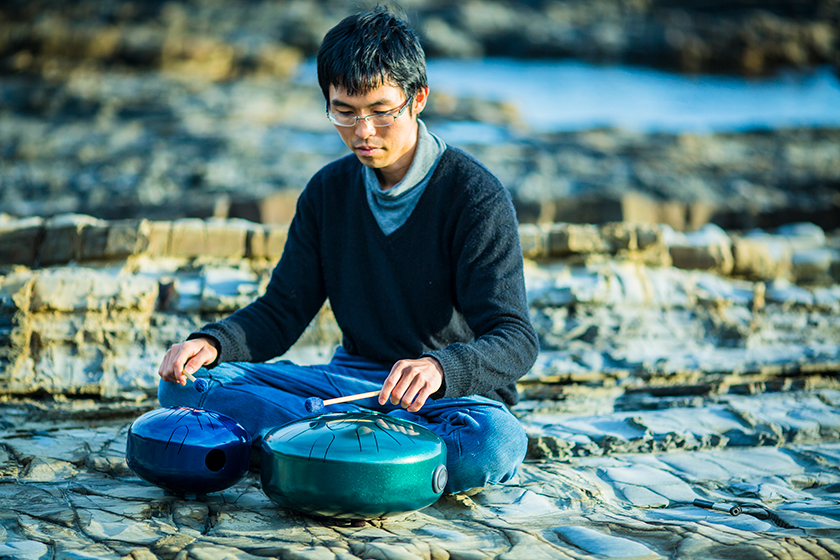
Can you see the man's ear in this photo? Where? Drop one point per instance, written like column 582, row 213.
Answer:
column 420, row 99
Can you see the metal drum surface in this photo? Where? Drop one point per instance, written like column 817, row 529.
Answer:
column 188, row 450
column 353, row 466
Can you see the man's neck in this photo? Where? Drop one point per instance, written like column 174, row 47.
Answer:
column 390, row 176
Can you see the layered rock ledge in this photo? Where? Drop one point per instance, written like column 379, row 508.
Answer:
column 89, row 306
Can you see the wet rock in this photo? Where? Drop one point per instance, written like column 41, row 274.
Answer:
column 25, row 550
column 600, row 544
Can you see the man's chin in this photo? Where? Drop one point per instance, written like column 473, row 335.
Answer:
column 369, row 161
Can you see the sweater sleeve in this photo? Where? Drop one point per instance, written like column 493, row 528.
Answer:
column 490, row 289
column 270, row 325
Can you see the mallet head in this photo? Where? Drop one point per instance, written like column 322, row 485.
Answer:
column 314, row 405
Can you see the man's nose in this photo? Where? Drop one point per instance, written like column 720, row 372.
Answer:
column 364, row 129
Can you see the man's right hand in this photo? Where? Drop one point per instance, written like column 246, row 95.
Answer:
column 186, row 356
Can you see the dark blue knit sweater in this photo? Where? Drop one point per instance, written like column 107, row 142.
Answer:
column 448, row 283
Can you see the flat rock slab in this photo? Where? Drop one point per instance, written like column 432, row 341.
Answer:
column 67, row 492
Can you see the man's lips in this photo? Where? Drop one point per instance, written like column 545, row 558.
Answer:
column 365, row 150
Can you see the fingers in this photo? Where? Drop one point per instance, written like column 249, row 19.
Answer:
column 388, row 386
column 206, row 355
column 168, row 370
column 415, row 396
column 186, row 356
column 411, row 382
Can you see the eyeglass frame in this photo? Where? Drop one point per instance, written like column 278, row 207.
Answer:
column 399, row 112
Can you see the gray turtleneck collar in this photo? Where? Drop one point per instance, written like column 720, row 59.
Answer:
column 392, row 208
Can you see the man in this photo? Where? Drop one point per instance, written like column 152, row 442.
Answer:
column 416, row 246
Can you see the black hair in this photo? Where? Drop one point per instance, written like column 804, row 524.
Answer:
column 370, row 49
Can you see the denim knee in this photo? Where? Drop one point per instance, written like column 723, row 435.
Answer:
column 512, row 445
column 489, row 452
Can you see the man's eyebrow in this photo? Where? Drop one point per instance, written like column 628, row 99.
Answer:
column 340, row 103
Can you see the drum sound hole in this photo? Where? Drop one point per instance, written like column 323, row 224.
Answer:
column 215, row 460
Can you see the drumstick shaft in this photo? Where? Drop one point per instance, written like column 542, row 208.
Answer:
column 349, row 398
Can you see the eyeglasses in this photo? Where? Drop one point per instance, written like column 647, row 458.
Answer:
column 377, row 119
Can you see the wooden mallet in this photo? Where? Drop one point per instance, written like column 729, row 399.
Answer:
column 314, row 405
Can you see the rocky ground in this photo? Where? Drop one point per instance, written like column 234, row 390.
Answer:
column 685, row 287
column 68, row 494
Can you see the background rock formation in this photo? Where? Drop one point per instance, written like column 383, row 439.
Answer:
column 226, row 39
column 164, row 110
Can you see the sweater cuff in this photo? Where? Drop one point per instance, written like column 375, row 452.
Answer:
column 230, row 339
column 441, row 392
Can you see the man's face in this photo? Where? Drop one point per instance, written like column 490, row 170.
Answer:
column 389, row 148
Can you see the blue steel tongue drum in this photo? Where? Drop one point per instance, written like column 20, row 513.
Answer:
column 188, row 450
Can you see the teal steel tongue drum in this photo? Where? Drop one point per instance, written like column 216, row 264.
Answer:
column 356, row 465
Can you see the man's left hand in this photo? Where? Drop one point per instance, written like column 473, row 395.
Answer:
column 411, row 382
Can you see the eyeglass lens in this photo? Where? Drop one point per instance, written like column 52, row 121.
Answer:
column 378, row 119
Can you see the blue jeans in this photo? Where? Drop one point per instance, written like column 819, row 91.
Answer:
column 485, row 443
